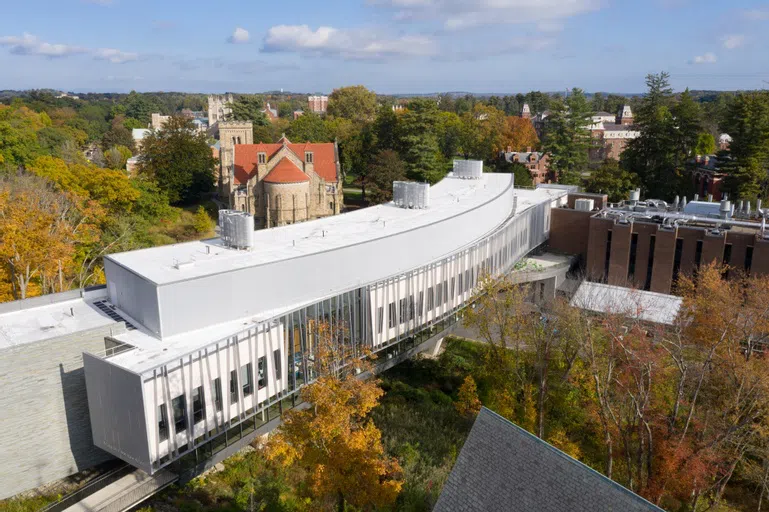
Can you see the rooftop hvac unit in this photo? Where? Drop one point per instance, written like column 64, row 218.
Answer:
column 237, row 229
column 408, row 194
column 584, row 205
column 468, row 169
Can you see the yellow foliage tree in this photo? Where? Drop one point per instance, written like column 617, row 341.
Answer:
column 334, row 441
column 468, row 403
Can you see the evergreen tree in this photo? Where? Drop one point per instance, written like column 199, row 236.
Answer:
column 248, row 107
column 748, row 123
column 419, row 143
column 612, row 180
column 567, row 137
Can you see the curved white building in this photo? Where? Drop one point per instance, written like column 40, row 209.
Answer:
column 223, row 338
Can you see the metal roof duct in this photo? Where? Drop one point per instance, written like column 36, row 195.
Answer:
column 409, row 194
column 237, row 229
column 468, row 169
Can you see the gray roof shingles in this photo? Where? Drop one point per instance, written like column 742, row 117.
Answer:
column 504, row 468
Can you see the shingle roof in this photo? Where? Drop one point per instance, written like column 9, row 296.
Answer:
column 504, row 468
column 286, row 172
column 324, row 158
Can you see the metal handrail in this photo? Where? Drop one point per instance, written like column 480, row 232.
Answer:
column 91, row 487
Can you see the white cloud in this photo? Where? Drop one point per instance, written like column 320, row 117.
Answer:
column 706, row 58
column 733, row 41
column 28, row 44
column 352, row 44
column 239, row 36
column 459, row 14
column 99, row 2
column 115, row 56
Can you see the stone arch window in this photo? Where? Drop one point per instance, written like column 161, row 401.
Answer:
column 262, row 157
column 308, row 157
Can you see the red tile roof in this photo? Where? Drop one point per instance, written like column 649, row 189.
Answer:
column 324, row 158
column 286, row 172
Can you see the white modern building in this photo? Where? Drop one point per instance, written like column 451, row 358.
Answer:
column 205, row 342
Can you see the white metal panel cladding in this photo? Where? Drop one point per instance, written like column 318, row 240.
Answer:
column 134, row 295
column 468, row 169
column 282, row 284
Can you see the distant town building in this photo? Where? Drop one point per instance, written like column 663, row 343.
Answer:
column 271, row 113
column 724, row 141
column 611, row 137
column 317, row 104
column 298, row 114
column 158, row 121
column 537, row 163
column 219, row 108
column 707, row 175
column 526, row 111
column 138, row 135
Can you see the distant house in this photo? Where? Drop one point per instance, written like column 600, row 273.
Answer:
column 536, row 162
column 724, row 141
column 317, row 104
column 503, row 468
column 611, row 134
column 271, row 113
column 138, row 135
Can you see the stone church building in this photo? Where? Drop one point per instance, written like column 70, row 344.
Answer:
column 279, row 183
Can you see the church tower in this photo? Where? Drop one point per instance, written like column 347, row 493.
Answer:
column 231, row 133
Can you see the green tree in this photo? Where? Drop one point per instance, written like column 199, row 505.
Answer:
column 567, row 137
column 308, row 128
column 248, row 107
column 355, row 103
column 612, row 180
column 384, row 168
column 202, row 221
column 419, row 142
column 179, row 159
column 706, row 144
column 748, row 124
column 141, row 106
column 450, row 133
column 285, row 109
column 522, row 175
column 386, row 126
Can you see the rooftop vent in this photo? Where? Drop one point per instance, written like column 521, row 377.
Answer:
column 409, row 194
column 584, row 205
column 468, row 169
column 237, row 229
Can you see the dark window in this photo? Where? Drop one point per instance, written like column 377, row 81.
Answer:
column 438, row 295
column 430, row 298
column 633, row 251
column 380, row 318
column 180, row 413
column 308, row 157
column 748, row 258
column 198, row 405
column 445, row 291
column 278, row 366
column 262, row 369
column 217, row 387
column 698, row 253
column 262, row 158
column 234, row 387
column 392, row 314
column 412, row 312
column 453, row 285
column 459, row 285
column 608, row 256
column 727, row 260
column 331, row 206
column 403, row 310
column 163, row 422
column 246, row 377
column 677, row 259
column 648, row 283
column 421, row 304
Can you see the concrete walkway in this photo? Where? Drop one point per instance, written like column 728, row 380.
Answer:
column 125, row 492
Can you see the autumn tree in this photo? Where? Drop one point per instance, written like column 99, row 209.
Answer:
column 202, row 222
column 467, row 403
column 520, row 134
column 334, row 441
column 179, row 159
column 355, row 103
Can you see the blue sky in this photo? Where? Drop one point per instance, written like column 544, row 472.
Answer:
column 391, row 46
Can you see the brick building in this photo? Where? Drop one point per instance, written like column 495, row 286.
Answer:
column 317, row 104
column 536, row 162
column 647, row 245
column 281, row 183
column 611, row 137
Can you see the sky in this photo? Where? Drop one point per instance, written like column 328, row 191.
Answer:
column 390, row 46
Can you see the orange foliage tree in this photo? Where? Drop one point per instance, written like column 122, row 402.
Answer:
column 520, row 134
column 333, row 440
column 467, row 401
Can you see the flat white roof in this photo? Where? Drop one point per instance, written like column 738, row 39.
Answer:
column 643, row 305
column 448, row 198
column 46, row 321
